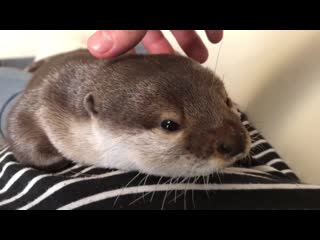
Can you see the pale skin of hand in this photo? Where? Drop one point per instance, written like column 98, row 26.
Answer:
column 112, row 43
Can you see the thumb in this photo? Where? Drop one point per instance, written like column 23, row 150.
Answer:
column 112, row 43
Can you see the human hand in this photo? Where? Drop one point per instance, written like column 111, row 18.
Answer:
column 112, row 43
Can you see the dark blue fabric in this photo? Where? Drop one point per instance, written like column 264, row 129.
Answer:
column 12, row 80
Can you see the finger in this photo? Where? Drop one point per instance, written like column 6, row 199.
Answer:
column 191, row 44
column 112, row 43
column 215, row 36
column 155, row 43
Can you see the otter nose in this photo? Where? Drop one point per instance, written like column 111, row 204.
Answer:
column 231, row 140
column 224, row 149
column 231, row 148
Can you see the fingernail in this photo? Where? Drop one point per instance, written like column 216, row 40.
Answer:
column 101, row 42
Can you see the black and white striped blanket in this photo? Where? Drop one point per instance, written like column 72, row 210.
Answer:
column 263, row 182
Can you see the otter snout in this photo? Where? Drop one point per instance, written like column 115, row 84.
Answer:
column 231, row 139
column 226, row 141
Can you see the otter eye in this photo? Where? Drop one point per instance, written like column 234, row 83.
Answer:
column 229, row 102
column 169, row 125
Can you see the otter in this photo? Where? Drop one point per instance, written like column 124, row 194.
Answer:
column 162, row 114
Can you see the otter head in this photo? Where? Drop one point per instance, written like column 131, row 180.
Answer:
column 164, row 115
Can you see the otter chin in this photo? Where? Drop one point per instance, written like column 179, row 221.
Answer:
column 163, row 115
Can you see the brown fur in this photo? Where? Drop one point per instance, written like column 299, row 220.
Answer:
column 129, row 94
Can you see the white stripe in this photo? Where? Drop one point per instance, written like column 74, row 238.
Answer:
column 60, row 185
column 4, row 156
column 83, row 171
column 258, row 142
column 266, row 168
column 249, row 170
column 13, row 179
column 259, row 155
column 247, row 174
column 277, row 160
column 253, row 132
column 68, row 170
column 3, row 150
column 8, row 164
column 269, row 168
column 245, row 122
column 168, row 187
column 272, row 169
column 287, row 171
column 25, row 190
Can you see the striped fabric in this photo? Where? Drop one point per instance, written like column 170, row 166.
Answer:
column 263, row 181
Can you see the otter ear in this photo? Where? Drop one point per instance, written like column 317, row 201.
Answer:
column 89, row 104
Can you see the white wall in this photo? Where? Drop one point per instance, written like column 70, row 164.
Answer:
column 273, row 75
column 16, row 43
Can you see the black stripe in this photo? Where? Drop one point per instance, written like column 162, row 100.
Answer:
column 280, row 166
column 218, row 200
